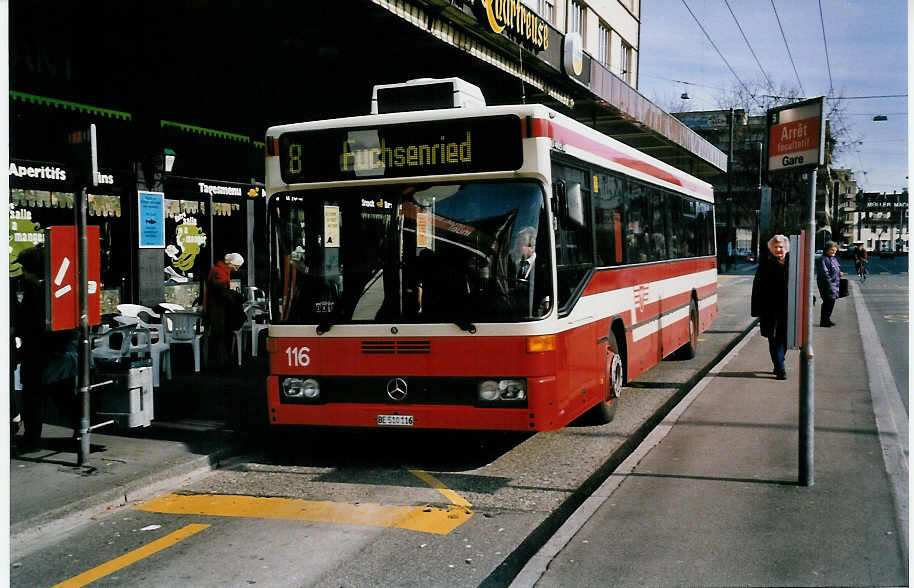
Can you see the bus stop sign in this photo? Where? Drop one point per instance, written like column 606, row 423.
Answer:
column 62, row 286
column 796, row 135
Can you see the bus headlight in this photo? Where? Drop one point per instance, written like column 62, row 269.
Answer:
column 502, row 390
column 513, row 389
column 488, row 390
column 301, row 388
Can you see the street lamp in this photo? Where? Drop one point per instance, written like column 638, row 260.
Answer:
column 169, row 157
column 880, row 117
column 157, row 166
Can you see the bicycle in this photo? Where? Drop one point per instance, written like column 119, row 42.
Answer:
column 861, row 270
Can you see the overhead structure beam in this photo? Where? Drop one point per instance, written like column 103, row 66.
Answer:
column 598, row 98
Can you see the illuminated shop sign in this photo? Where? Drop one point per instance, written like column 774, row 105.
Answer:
column 220, row 190
column 515, row 17
column 49, row 172
column 416, row 149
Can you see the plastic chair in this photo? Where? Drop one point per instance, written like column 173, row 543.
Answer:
column 171, row 306
column 17, row 381
column 135, row 310
column 142, row 344
column 254, row 294
column 184, row 328
column 155, row 328
column 238, row 341
column 254, row 313
column 113, row 344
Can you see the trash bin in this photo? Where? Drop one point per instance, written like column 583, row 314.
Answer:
column 128, row 400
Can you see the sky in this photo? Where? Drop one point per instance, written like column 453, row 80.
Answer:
column 867, row 51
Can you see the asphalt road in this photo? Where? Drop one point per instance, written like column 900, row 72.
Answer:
column 385, row 508
column 886, row 295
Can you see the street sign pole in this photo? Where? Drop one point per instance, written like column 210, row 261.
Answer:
column 87, row 147
column 82, row 457
column 807, row 362
column 796, row 140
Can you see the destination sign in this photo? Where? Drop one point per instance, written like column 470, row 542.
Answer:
column 467, row 145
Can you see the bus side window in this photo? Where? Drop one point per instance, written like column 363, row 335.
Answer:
column 608, row 219
column 638, row 236
column 659, row 228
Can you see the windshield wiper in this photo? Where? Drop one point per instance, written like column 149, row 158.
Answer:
column 466, row 325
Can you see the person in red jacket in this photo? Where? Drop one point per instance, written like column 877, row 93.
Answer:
column 221, row 306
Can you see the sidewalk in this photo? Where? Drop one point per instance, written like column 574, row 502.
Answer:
column 199, row 420
column 713, row 499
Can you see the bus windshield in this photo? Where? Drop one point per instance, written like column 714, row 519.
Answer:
column 419, row 253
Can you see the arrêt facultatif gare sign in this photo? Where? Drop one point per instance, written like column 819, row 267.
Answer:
column 796, row 135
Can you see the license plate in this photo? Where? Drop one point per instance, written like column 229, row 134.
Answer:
column 395, row 420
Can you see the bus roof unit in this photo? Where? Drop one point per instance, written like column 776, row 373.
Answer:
column 425, row 94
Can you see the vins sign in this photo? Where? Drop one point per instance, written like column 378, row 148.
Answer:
column 467, row 145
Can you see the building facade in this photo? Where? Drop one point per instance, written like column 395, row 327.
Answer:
column 882, row 223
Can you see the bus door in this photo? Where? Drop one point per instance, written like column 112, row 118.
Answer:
column 574, row 266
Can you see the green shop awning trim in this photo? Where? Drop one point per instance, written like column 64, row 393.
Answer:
column 205, row 131
column 118, row 114
column 75, row 106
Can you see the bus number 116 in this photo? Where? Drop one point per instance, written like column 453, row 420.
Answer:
column 298, row 356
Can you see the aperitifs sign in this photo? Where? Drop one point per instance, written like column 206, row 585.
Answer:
column 467, row 145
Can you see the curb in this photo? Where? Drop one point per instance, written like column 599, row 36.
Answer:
column 28, row 535
column 512, row 565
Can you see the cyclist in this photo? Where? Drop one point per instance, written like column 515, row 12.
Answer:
column 860, row 261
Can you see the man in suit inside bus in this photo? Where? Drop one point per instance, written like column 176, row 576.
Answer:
column 525, row 245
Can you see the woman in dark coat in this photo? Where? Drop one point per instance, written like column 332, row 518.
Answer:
column 828, row 278
column 769, row 301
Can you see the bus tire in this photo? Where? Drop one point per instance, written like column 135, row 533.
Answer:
column 688, row 350
column 613, row 380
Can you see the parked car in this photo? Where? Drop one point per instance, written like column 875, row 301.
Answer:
column 744, row 254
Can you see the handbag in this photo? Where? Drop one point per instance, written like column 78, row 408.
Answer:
column 842, row 288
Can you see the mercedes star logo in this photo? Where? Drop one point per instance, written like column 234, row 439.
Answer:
column 396, row 389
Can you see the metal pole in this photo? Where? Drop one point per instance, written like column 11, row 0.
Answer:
column 730, row 239
column 82, row 457
column 807, row 362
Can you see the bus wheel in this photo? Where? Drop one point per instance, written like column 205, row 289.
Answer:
column 613, row 380
column 688, row 350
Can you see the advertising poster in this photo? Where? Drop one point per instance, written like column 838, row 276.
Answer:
column 152, row 219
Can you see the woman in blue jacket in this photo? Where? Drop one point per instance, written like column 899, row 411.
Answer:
column 828, row 278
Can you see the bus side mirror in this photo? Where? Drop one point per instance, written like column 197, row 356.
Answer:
column 574, row 205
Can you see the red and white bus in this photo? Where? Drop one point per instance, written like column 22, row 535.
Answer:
column 485, row 267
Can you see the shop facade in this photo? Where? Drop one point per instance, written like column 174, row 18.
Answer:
column 204, row 220
column 42, row 194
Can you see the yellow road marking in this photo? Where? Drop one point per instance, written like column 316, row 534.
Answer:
column 435, row 483
column 425, row 519
column 131, row 557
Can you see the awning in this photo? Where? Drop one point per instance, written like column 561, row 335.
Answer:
column 596, row 98
column 74, row 106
